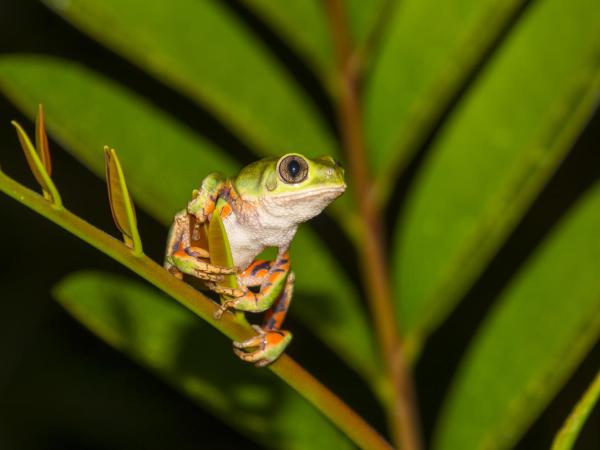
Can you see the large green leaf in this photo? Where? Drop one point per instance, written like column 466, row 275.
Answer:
column 164, row 162
column 201, row 48
column 304, row 24
column 492, row 158
column 540, row 328
column 430, row 49
column 166, row 338
column 365, row 17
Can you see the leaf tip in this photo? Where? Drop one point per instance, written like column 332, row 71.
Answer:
column 37, row 167
column 121, row 205
column 41, row 139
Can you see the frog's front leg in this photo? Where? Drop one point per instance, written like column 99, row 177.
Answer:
column 181, row 257
column 276, row 288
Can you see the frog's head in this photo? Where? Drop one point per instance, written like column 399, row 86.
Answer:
column 292, row 187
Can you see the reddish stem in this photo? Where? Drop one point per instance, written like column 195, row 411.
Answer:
column 402, row 411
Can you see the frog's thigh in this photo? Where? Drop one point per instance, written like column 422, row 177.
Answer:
column 256, row 272
column 270, row 288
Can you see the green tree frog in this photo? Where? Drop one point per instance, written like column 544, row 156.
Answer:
column 263, row 206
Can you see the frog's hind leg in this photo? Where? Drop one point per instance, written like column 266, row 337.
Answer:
column 182, row 257
column 271, row 276
column 271, row 340
column 276, row 314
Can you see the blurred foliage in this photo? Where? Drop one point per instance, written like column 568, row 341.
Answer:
column 469, row 110
column 567, row 436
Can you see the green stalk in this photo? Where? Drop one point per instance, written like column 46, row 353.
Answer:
column 360, row 432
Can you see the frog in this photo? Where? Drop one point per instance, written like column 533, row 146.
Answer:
column 261, row 207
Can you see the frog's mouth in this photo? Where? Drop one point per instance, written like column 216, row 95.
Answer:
column 300, row 206
column 326, row 192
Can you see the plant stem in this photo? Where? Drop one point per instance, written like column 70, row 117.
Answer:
column 287, row 369
column 402, row 413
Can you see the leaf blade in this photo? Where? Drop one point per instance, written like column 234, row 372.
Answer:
column 37, row 167
column 450, row 229
column 121, row 205
column 220, row 250
column 412, row 83
column 41, row 140
column 264, row 106
column 551, row 314
column 165, row 338
column 304, row 25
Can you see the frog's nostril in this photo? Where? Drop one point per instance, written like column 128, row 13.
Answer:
column 337, row 163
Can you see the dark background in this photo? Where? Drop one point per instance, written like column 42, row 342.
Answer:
column 60, row 387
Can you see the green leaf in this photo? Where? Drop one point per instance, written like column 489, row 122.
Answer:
column 364, row 18
column 41, row 140
column 566, row 437
column 218, row 246
column 161, row 181
column 191, row 356
column 202, row 49
column 121, row 205
column 538, row 331
column 85, row 111
column 304, row 24
column 493, row 157
column 431, row 48
column 38, row 167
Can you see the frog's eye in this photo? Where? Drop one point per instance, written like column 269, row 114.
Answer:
column 293, row 169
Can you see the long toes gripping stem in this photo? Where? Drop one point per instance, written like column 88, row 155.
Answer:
column 206, row 267
column 208, row 276
column 192, row 265
column 270, row 345
column 226, row 291
column 230, row 292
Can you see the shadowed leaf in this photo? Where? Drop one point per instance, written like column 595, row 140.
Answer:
column 164, row 337
column 121, row 205
column 541, row 327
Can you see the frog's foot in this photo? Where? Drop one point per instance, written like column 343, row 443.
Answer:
column 227, row 304
column 223, row 290
column 190, row 261
column 269, row 345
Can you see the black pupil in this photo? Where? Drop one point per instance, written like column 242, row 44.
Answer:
column 293, row 168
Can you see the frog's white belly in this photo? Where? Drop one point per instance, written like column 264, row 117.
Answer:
column 250, row 236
